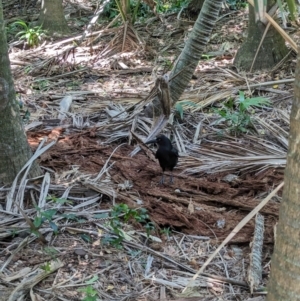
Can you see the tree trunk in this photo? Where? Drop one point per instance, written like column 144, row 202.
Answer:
column 272, row 50
column 52, row 17
column 14, row 148
column 194, row 7
column 285, row 269
column 188, row 60
column 194, row 47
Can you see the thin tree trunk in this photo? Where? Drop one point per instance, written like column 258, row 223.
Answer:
column 284, row 282
column 52, row 17
column 14, row 148
column 188, row 60
column 194, row 47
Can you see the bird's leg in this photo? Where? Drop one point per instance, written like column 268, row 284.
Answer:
column 161, row 182
column 171, row 178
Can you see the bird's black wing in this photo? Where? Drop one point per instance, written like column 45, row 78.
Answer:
column 174, row 152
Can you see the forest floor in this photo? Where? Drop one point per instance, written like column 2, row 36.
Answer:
column 219, row 179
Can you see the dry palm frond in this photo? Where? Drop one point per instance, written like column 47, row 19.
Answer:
column 34, row 278
column 16, row 196
column 234, row 155
column 201, row 104
column 213, row 151
column 274, row 129
column 125, row 40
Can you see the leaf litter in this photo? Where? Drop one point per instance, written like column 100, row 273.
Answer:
column 220, row 178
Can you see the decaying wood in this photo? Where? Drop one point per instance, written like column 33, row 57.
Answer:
column 255, row 265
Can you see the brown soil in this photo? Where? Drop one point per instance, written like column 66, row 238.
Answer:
column 205, row 205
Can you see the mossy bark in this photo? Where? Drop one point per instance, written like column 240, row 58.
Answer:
column 14, row 148
column 52, row 17
column 272, row 50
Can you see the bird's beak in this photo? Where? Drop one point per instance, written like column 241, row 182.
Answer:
column 151, row 141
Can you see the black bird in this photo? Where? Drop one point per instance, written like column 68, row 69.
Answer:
column 166, row 154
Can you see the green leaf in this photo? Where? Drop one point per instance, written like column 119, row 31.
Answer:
column 233, row 117
column 241, row 96
column 106, row 240
column 51, row 251
column 206, row 56
column 116, row 242
column 27, row 115
column 100, row 215
column 38, row 221
column 53, row 227
column 46, row 267
column 86, row 238
column 120, row 209
column 60, row 200
column 179, row 109
column 35, row 232
column 222, row 112
column 255, row 102
column 179, row 106
column 92, row 280
column 21, row 23
column 48, row 214
column 149, row 227
column 90, row 292
column 292, row 8
column 229, row 104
